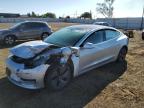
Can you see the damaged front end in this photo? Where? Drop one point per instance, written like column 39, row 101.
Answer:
column 28, row 64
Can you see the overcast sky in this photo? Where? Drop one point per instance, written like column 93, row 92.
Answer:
column 122, row 8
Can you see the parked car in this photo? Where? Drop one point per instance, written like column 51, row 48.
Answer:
column 143, row 35
column 25, row 30
column 101, row 23
column 129, row 33
column 65, row 54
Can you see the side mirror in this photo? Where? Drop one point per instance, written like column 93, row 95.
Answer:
column 89, row 45
column 76, row 51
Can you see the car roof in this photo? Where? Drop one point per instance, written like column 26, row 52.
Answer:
column 101, row 22
column 35, row 21
column 90, row 27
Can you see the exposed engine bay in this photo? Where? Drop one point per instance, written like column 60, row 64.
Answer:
column 29, row 62
column 50, row 55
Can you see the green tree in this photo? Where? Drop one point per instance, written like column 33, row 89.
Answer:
column 33, row 14
column 106, row 8
column 49, row 15
column 68, row 17
column 86, row 15
column 28, row 14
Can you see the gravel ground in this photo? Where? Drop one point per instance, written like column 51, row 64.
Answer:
column 115, row 85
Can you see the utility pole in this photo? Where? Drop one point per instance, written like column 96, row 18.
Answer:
column 91, row 13
column 142, row 19
column 76, row 13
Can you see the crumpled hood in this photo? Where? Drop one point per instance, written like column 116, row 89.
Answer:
column 29, row 49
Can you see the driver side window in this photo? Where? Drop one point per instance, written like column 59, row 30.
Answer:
column 26, row 26
column 96, row 37
column 23, row 27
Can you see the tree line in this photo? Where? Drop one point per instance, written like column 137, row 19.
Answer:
column 105, row 8
column 52, row 15
column 46, row 15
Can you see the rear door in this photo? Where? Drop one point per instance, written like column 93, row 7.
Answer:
column 111, row 43
column 37, row 29
column 34, row 29
column 29, row 30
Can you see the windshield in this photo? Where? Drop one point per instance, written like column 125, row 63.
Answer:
column 16, row 25
column 67, row 36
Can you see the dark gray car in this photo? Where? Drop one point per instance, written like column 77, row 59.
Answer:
column 25, row 30
column 101, row 23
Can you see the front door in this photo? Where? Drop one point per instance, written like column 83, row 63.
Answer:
column 24, row 31
column 92, row 56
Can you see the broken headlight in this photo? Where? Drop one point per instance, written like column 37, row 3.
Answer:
column 37, row 61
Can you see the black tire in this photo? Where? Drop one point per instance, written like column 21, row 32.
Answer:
column 9, row 40
column 44, row 35
column 143, row 36
column 58, row 77
column 122, row 54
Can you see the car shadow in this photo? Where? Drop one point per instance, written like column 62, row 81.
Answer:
column 77, row 94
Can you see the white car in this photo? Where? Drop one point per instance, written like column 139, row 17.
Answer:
column 65, row 54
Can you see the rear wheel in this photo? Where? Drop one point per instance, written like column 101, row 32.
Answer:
column 58, row 77
column 9, row 40
column 122, row 54
column 143, row 36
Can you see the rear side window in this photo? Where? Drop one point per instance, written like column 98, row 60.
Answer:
column 33, row 25
column 41, row 25
column 27, row 25
column 110, row 34
column 36, row 25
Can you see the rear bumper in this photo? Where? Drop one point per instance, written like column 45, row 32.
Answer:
column 26, row 78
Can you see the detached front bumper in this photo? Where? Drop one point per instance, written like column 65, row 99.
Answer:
column 26, row 78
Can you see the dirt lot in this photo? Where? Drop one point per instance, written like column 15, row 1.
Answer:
column 115, row 85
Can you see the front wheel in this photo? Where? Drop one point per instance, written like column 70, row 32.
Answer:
column 9, row 40
column 44, row 35
column 122, row 54
column 58, row 77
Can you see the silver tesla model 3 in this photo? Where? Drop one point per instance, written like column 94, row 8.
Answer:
column 63, row 55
